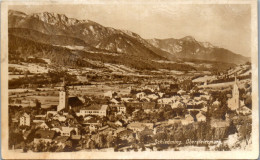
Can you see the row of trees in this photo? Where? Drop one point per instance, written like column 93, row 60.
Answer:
column 52, row 77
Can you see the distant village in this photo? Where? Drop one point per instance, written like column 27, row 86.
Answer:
column 133, row 121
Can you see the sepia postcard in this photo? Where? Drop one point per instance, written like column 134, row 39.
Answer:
column 129, row 79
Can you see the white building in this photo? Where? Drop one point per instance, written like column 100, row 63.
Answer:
column 110, row 94
column 166, row 100
column 67, row 131
column 118, row 123
column 181, row 92
column 244, row 110
column 200, row 117
column 97, row 110
column 188, row 120
column 153, row 96
column 178, row 104
column 25, row 120
column 121, row 109
column 114, row 101
column 140, row 95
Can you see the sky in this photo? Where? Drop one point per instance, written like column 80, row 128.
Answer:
column 223, row 25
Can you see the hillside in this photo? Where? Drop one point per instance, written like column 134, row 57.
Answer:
column 86, row 31
column 20, row 48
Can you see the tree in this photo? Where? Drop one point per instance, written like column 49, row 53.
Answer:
column 161, row 136
column 37, row 103
column 187, row 85
column 15, row 138
column 144, row 138
column 103, row 141
column 68, row 146
column 231, row 129
column 248, row 102
column 129, row 110
column 222, row 147
column 40, row 147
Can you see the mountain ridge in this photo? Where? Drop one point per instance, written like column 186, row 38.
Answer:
column 88, row 31
column 97, row 37
column 189, row 47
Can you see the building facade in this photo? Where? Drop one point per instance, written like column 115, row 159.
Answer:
column 25, row 120
column 94, row 110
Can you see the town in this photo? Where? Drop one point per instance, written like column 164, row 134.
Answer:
column 131, row 115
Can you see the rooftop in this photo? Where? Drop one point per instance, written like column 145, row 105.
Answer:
column 74, row 101
column 139, row 125
column 62, row 139
column 93, row 107
column 96, row 107
column 46, row 134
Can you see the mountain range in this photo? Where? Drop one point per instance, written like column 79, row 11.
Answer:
column 68, row 41
column 188, row 48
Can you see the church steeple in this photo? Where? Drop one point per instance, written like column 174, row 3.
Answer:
column 236, row 80
column 234, row 102
column 63, row 86
column 63, row 97
column 236, row 93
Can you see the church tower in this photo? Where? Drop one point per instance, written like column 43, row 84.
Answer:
column 63, row 97
column 235, row 94
column 234, row 102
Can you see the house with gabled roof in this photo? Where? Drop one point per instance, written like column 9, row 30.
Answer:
column 44, row 136
column 119, row 123
column 140, row 95
column 201, row 117
column 68, row 131
column 106, row 130
column 187, row 120
column 114, row 101
column 43, row 125
column 110, row 94
column 119, row 108
column 93, row 124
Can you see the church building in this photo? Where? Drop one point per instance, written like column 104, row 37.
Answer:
column 234, row 102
